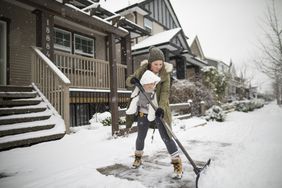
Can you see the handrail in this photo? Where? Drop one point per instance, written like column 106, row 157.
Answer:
column 52, row 83
column 63, row 78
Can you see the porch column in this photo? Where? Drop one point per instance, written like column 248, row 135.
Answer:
column 180, row 67
column 113, row 83
column 166, row 54
column 45, row 32
column 126, row 57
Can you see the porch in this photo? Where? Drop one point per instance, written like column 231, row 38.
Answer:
column 86, row 72
column 77, row 86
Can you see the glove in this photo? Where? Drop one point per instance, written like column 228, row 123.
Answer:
column 159, row 113
column 135, row 81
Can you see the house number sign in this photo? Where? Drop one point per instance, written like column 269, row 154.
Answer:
column 47, row 38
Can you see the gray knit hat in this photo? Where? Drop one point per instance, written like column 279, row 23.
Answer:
column 155, row 54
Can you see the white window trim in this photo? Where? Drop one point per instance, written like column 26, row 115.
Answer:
column 61, row 47
column 83, row 53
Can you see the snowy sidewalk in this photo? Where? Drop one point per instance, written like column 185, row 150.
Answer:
column 245, row 151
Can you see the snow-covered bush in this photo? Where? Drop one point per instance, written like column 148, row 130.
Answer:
column 215, row 81
column 105, row 119
column 108, row 121
column 228, row 106
column 248, row 105
column 183, row 91
column 215, row 113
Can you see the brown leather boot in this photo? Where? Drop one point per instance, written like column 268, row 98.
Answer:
column 137, row 162
column 177, row 165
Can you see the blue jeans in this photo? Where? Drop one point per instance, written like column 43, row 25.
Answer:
column 143, row 126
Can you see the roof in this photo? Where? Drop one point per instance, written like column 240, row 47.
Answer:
column 198, row 46
column 194, row 61
column 216, row 60
column 96, row 11
column 119, row 5
column 157, row 39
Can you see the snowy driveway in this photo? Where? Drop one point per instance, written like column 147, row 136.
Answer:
column 245, row 150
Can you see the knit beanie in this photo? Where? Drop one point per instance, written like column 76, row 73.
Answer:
column 155, row 54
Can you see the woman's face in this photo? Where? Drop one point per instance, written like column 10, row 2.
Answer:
column 156, row 66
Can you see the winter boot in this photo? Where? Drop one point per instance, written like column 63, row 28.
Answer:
column 177, row 165
column 137, row 162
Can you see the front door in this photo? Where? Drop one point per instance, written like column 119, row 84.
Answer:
column 3, row 53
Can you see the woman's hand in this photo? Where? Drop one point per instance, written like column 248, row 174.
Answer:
column 149, row 87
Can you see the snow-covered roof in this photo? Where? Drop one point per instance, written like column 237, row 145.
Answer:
column 194, row 61
column 93, row 16
column 159, row 38
column 118, row 5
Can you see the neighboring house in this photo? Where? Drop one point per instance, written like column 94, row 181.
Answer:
column 194, row 71
column 88, row 75
column 237, row 86
column 160, row 20
column 219, row 65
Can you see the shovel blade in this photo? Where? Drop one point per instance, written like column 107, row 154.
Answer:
column 200, row 170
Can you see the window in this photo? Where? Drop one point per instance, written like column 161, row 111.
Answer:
column 148, row 24
column 62, row 40
column 83, row 45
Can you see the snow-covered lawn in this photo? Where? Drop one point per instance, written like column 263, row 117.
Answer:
column 245, row 150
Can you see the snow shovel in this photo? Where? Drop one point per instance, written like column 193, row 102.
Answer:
column 197, row 170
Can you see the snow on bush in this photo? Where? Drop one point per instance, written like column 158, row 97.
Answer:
column 215, row 81
column 215, row 113
column 248, row 105
column 183, row 91
column 104, row 118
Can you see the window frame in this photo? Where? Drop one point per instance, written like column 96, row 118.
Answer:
column 83, row 53
column 60, row 47
column 146, row 26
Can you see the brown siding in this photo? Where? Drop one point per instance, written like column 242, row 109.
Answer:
column 21, row 36
column 195, row 49
column 138, row 59
column 99, row 39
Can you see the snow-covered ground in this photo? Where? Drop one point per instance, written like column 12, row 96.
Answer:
column 245, row 150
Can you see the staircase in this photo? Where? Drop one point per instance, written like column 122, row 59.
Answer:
column 26, row 119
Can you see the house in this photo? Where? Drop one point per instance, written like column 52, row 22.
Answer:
column 237, row 86
column 165, row 31
column 199, row 59
column 69, row 54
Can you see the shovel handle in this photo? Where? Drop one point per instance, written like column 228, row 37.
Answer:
column 196, row 169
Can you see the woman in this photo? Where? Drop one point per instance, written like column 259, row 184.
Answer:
column 158, row 92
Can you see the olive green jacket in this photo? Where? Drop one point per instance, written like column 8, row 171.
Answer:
column 162, row 90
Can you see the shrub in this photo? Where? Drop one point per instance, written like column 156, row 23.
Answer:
column 183, row 91
column 215, row 81
column 248, row 105
column 105, row 118
column 215, row 113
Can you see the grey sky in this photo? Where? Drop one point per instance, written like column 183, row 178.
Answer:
column 227, row 29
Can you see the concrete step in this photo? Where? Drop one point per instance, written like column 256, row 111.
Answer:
column 20, row 118
column 16, row 95
column 11, row 103
column 27, row 109
column 12, row 88
column 25, row 118
column 27, row 141
column 24, row 128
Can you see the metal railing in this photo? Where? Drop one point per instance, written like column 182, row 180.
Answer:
column 85, row 72
column 52, row 83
